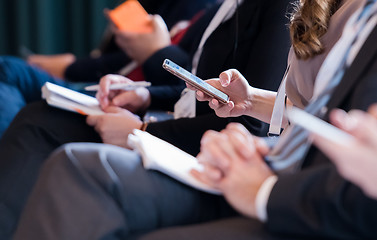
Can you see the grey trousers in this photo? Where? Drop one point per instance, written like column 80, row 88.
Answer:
column 98, row 191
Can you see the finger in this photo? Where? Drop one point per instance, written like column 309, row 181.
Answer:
column 158, row 22
column 201, row 96
column 237, row 127
column 365, row 127
column 214, row 103
column 202, row 177
column 123, row 99
column 225, row 78
column 342, row 120
column 216, row 150
column 229, row 76
column 373, row 110
column 217, row 154
column 104, row 84
column 91, row 120
column 113, row 109
column 212, row 173
column 261, row 145
column 239, row 143
column 222, row 110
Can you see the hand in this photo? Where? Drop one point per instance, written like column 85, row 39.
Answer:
column 54, row 64
column 233, row 163
column 115, row 125
column 236, row 86
column 357, row 160
column 134, row 100
column 140, row 46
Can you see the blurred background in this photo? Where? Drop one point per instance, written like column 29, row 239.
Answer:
column 52, row 26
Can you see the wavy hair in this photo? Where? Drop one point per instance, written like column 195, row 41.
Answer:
column 309, row 22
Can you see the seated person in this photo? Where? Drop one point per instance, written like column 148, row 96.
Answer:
column 106, row 189
column 260, row 23
column 111, row 58
column 356, row 162
column 20, row 83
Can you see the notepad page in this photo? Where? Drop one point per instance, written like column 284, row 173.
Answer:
column 168, row 159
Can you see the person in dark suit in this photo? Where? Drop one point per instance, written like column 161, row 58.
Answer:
column 20, row 82
column 260, row 23
column 112, row 58
column 314, row 202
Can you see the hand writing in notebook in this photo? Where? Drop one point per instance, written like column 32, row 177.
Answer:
column 133, row 100
column 233, row 163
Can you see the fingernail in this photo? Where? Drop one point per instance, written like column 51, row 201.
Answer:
column 344, row 120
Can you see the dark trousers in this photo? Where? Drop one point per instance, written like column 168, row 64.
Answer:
column 97, row 191
column 34, row 133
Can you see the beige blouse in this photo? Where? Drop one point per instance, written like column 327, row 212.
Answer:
column 302, row 73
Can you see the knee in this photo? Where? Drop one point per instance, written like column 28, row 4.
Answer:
column 9, row 67
column 92, row 158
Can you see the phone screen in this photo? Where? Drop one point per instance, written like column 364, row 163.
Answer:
column 195, row 81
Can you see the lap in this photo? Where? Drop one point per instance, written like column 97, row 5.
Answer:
column 27, row 79
column 239, row 228
column 149, row 199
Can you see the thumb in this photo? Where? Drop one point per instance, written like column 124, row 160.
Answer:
column 123, row 99
column 229, row 76
column 158, row 22
column 113, row 109
column 91, row 120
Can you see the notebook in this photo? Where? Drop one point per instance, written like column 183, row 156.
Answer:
column 67, row 99
column 162, row 156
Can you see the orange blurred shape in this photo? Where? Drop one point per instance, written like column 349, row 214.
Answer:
column 131, row 16
column 80, row 111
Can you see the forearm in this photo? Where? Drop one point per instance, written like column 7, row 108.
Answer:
column 261, row 104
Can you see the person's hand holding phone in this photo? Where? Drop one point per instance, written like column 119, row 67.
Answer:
column 236, row 87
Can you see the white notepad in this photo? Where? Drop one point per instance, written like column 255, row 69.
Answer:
column 70, row 100
column 168, row 159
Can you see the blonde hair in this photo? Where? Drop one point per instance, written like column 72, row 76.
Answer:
column 309, row 22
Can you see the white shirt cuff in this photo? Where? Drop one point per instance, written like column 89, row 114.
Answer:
column 262, row 197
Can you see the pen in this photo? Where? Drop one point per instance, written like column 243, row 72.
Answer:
column 121, row 86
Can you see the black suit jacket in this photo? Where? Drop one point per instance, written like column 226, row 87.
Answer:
column 260, row 55
column 317, row 202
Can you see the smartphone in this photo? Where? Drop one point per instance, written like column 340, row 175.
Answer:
column 195, row 81
column 316, row 125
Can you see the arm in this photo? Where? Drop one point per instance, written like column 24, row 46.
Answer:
column 90, row 69
column 262, row 59
column 244, row 99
